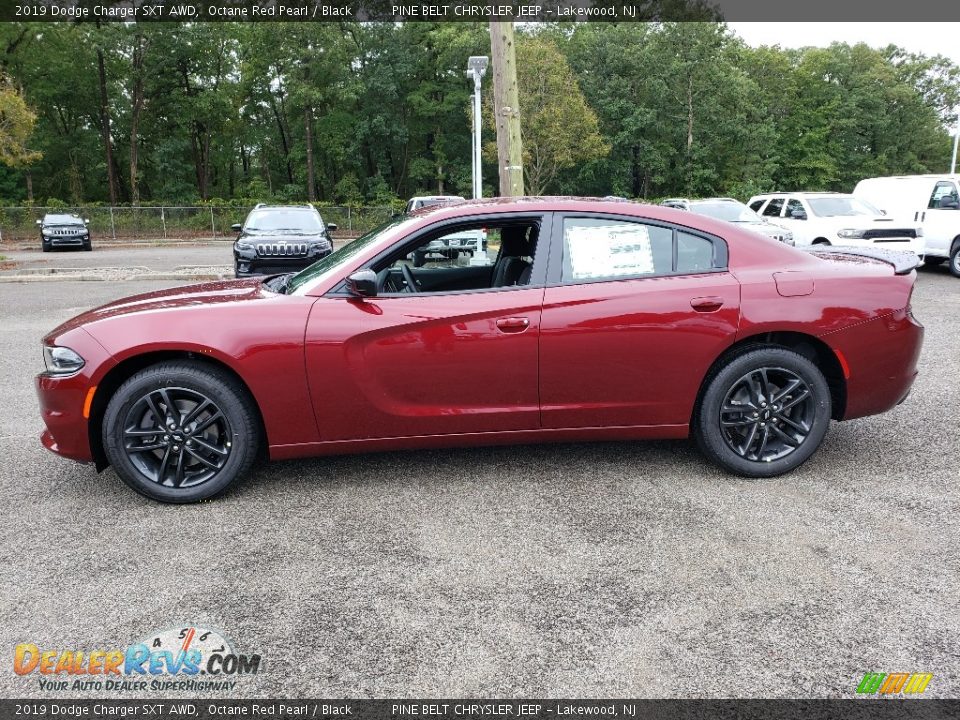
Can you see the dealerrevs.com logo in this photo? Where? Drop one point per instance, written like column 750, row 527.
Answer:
column 185, row 658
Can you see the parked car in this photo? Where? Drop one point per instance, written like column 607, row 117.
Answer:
column 63, row 230
column 931, row 200
column 822, row 218
column 280, row 238
column 597, row 321
column 732, row 211
column 468, row 242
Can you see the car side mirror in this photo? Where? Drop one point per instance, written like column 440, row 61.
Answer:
column 86, row 221
column 39, row 222
column 236, row 227
column 362, row 283
column 331, row 227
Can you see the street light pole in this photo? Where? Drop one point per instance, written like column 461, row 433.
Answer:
column 956, row 137
column 476, row 69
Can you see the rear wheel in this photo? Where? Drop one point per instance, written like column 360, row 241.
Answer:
column 180, row 432
column 764, row 413
column 955, row 260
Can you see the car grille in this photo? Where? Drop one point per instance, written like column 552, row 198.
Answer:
column 890, row 233
column 62, row 232
column 281, row 249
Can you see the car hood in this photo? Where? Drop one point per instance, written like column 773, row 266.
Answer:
column 224, row 291
column 278, row 237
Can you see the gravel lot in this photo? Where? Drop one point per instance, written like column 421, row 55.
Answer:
column 630, row 570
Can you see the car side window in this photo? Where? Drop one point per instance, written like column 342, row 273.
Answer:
column 602, row 249
column 694, row 253
column 773, row 208
column 756, row 205
column 469, row 257
column 796, row 210
column 944, row 196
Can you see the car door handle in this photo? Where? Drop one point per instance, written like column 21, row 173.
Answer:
column 513, row 324
column 706, row 304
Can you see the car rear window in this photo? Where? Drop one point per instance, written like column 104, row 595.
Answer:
column 596, row 248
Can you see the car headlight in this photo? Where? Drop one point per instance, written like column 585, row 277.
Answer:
column 46, row 233
column 850, row 233
column 61, row 360
column 240, row 245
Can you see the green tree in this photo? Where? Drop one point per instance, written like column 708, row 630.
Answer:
column 559, row 128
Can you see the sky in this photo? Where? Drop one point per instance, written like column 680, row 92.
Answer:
column 920, row 37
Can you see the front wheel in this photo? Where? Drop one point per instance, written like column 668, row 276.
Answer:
column 764, row 413
column 180, row 432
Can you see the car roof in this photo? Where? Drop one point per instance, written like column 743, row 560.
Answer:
column 302, row 206
column 780, row 193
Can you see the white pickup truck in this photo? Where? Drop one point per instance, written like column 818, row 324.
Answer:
column 469, row 242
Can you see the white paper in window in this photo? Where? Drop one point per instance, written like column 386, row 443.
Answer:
column 615, row 250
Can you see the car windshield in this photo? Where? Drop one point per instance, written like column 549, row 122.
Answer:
column 62, row 220
column 338, row 257
column 840, row 206
column 304, row 220
column 729, row 211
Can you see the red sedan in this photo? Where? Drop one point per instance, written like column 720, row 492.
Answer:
column 587, row 319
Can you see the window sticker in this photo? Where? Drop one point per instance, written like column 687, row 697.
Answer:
column 615, row 250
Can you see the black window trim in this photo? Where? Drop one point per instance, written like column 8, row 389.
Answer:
column 721, row 254
column 537, row 276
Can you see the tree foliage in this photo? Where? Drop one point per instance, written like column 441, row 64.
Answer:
column 16, row 127
column 368, row 112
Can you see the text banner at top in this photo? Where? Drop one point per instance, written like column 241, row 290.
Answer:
column 477, row 11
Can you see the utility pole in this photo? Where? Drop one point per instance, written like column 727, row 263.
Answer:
column 506, row 108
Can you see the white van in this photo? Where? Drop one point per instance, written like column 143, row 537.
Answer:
column 932, row 200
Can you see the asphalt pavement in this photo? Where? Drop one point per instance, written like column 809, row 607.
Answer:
column 575, row 570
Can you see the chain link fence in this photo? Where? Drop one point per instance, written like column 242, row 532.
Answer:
column 154, row 224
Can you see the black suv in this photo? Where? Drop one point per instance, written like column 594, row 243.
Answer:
column 62, row 230
column 280, row 239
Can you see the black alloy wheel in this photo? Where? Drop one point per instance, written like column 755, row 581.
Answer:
column 763, row 412
column 767, row 414
column 181, row 431
column 177, row 437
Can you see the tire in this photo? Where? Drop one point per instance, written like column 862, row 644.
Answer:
column 725, row 437
column 87, row 246
column 44, row 247
column 821, row 241
column 955, row 260
column 223, row 443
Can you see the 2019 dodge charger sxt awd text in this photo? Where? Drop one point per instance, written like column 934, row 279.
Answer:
column 595, row 320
